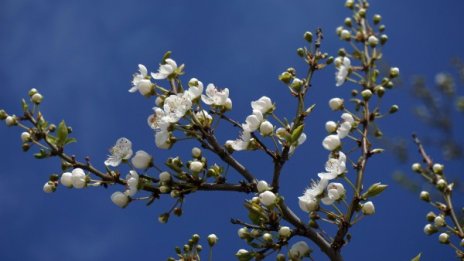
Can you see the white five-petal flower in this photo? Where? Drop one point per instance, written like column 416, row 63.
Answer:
column 175, row 106
column 195, row 89
column 132, row 180
column 263, row 104
column 165, row 70
column 334, row 167
column 242, row 143
column 141, row 81
column 214, row 96
column 122, row 150
column 343, row 65
column 253, row 121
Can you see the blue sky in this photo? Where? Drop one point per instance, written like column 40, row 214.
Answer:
column 81, row 55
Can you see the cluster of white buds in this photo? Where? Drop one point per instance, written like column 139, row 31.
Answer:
column 142, row 160
column 75, row 179
column 333, row 141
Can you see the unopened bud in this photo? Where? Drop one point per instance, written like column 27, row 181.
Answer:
column 394, row 108
column 429, row 229
column 379, row 90
column 443, row 238
column 32, row 92
column 377, row 18
column 285, row 232
column 163, row 218
column 336, row 104
column 441, row 184
column 348, row 22
column 416, row 167
column 25, row 137
column 212, row 240
column 3, row 115
column 243, row 233
column 368, row 208
column 430, row 216
column 286, row 77
column 394, row 72
column 11, row 121
column 425, row 196
column 373, row 41
column 349, row 4
column 196, row 152
column 439, row 221
column 345, row 35
column 438, row 169
column 366, row 94
column 383, row 39
column 300, row 52
column 37, row 98
column 267, row 237
column 308, row 36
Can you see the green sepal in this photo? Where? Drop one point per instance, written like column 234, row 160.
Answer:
column 417, row 258
column 296, row 134
column 167, row 55
column 61, row 134
column 374, row 190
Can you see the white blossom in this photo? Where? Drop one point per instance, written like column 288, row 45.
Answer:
column 158, row 120
column 163, row 139
column 165, row 70
column 343, row 65
column 331, row 142
column 78, row 178
column 122, row 150
column 204, row 118
column 49, row 187
column 267, row 198
column 308, row 202
column 263, row 104
column 335, row 191
column 299, row 249
column 336, row 104
column 175, row 106
column 242, row 143
column 195, row 89
column 132, row 180
column 141, row 160
column 253, row 121
column 196, row 166
column 347, row 117
column 344, row 129
column 120, row 199
column 266, row 128
column 141, row 82
column 214, row 96
column 334, row 167
column 368, row 208
column 66, row 179
column 262, row 186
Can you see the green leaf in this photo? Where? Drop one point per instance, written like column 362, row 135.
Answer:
column 61, row 134
column 70, row 140
column 167, row 55
column 296, row 133
column 41, row 154
column 310, row 109
column 374, row 190
column 417, row 258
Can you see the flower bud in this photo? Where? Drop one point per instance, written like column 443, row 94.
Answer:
column 242, row 253
column 308, row 36
column 267, row 198
column 37, row 98
column 78, row 178
column 280, row 257
column 25, row 137
column 430, row 216
column 373, row 41
column 438, row 168
column 345, row 35
column 142, row 160
column 331, row 126
column 3, row 115
column 163, row 218
column 430, row 229
column 11, row 120
column 165, row 176
column 174, row 194
column 425, row 196
column 394, row 108
column 66, row 179
column 377, row 18
column 366, row 94
column 331, row 142
column 243, row 233
column 299, row 249
column 441, row 184
column 228, row 104
column 32, row 92
column 439, row 221
column 394, row 72
column 368, row 208
column 379, row 90
column 196, row 166
column 262, row 186
column 267, row 237
column 336, row 104
column 120, row 199
column 266, row 128
column 165, row 189
column 159, row 101
column 462, row 242
column 285, row 232
column 212, row 240
column 348, row 22
column 49, row 187
column 296, row 84
column 349, row 4
column 443, row 238
column 196, row 152
column 286, row 77
column 416, row 167
column 383, row 39
column 362, row 12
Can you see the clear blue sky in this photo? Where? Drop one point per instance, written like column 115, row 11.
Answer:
column 81, row 55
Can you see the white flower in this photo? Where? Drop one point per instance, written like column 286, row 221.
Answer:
column 49, row 187
column 165, row 70
column 336, row 104
column 120, row 199
column 66, row 179
column 196, row 166
column 163, row 139
column 330, row 126
column 195, row 89
column 253, row 121
column 78, row 178
column 300, row 141
column 132, row 180
column 262, row 186
column 368, row 208
column 266, row 128
column 331, row 142
column 334, row 192
column 122, row 150
column 285, row 232
column 158, row 120
column 299, row 249
column 343, row 65
column 141, row 82
column 344, row 129
column 214, row 96
column 204, row 118
column 241, row 143
column 25, row 136
column 308, row 202
column 164, row 176
column 141, row 160
column 175, row 107
column 316, row 188
column 334, row 167
column 267, row 198
column 263, row 104
column 347, row 117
